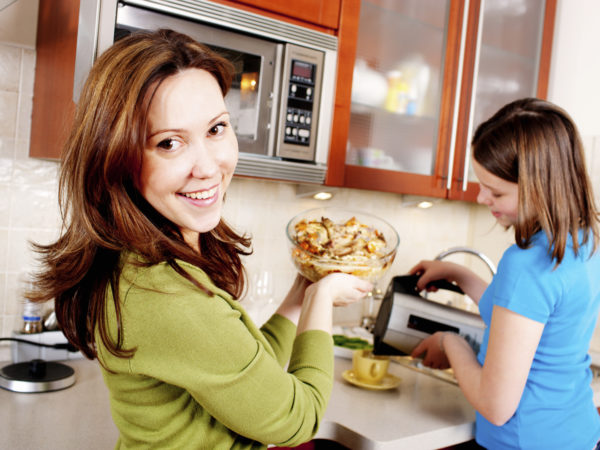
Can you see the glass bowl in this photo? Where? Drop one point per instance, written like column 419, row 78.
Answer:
column 330, row 239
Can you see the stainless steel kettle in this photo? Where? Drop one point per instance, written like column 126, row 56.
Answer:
column 405, row 318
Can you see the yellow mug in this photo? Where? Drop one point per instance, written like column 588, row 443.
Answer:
column 369, row 368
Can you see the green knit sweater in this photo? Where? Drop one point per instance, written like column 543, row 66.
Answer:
column 203, row 375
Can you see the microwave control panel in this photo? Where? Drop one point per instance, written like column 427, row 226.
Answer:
column 303, row 69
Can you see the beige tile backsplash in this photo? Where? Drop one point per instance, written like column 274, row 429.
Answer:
column 28, row 210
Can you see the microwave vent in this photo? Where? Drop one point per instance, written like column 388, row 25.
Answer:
column 257, row 166
column 240, row 20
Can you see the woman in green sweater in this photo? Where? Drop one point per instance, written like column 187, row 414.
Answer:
column 146, row 272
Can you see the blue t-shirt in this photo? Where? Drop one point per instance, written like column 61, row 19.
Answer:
column 556, row 410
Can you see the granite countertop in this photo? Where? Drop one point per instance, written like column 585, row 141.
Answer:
column 423, row 412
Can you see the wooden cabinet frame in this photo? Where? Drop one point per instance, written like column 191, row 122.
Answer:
column 461, row 158
column 435, row 185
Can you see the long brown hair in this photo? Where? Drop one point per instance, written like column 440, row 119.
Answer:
column 535, row 143
column 103, row 213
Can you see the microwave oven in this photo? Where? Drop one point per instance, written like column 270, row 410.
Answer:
column 282, row 96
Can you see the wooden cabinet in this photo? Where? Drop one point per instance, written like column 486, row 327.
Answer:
column 325, row 13
column 426, row 73
column 53, row 105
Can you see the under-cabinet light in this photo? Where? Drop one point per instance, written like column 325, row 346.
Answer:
column 322, row 195
column 317, row 192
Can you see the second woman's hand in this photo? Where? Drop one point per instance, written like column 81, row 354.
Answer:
column 429, row 271
column 433, row 349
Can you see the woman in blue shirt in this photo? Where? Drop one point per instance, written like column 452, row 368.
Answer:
column 530, row 382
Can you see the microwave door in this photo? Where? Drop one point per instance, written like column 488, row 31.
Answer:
column 251, row 99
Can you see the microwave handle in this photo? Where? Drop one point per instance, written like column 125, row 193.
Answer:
column 274, row 100
column 87, row 40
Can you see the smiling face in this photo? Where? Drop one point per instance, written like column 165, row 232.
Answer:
column 190, row 153
column 499, row 195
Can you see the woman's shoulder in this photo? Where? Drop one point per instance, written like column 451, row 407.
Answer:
column 537, row 257
column 162, row 277
column 535, row 260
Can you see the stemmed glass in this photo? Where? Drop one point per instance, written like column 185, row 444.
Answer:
column 261, row 296
column 371, row 303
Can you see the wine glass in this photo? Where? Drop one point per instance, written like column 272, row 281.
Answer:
column 261, row 296
column 371, row 303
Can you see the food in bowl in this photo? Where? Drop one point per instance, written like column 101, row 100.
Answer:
column 358, row 244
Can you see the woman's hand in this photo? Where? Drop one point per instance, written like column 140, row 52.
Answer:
column 337, row 289
column 343, row 289
column 470, row 283
column 432, row 271
column 433, row 347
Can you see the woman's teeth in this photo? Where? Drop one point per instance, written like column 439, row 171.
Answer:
column 201, row 195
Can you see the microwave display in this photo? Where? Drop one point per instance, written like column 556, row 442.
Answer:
column 302, row 71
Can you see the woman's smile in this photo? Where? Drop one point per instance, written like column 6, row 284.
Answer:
column 208, row 194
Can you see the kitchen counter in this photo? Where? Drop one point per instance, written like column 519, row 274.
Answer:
column 421, row 413
column 74, row 418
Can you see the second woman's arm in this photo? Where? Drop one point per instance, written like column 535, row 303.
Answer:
column 496, row 388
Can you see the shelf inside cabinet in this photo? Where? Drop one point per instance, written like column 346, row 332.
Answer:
column 365, row 110
column 392, row 141
column 421, row 12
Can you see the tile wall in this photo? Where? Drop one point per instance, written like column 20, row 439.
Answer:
column 28, row 210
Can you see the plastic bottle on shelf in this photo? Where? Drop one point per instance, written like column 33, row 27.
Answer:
column 32, row 317
column 397, row 96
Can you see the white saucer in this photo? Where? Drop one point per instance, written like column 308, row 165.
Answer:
column 389, row 381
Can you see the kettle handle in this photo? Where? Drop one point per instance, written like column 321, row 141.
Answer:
column 445, row 284
column 440, row 284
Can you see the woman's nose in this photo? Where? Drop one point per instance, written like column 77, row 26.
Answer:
column 483, row 197
column 205, row 164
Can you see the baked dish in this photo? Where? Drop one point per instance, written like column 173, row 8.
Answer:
column 355, row 245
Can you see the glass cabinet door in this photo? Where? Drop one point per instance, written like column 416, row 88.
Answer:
column 507, row 61
column 397, row 85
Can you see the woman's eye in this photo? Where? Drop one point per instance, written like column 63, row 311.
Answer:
column 217, row 129
column 168, row 144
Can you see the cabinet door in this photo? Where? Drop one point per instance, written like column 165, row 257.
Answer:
column 509, row 59
column 426, row 73
column 406, row 60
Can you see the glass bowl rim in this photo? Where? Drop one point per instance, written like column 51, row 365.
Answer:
column 353, row 213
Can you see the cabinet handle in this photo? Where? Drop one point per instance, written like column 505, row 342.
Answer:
column 461, row 62
column 465, row 179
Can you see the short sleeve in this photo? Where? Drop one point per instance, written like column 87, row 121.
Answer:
column 525, row 283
